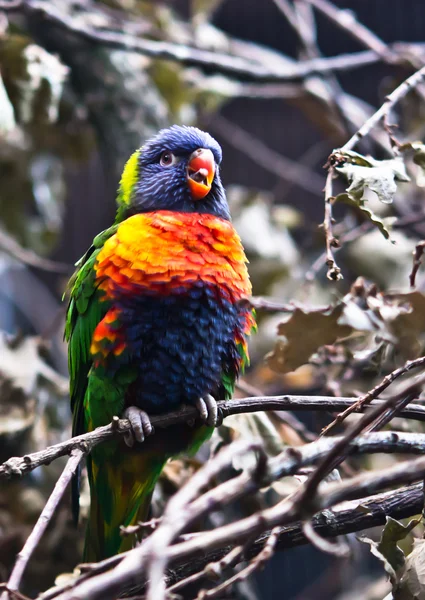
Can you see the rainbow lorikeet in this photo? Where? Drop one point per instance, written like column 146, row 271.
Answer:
column 155, row 321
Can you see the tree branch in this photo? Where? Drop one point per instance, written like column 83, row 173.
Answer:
column 43, row 520
column 30, row 258
column 399, row 504
column 281, row 166
column 234, row 65
column 346, row 20
column 17, row 466
column 132, row 565
column 334, row 272
column 375, row 392
column 398, row 94
column 338, row 452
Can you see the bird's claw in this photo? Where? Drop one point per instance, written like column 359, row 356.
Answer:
column 141, row 425
column 208, row 410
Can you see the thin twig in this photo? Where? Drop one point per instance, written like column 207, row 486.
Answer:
column 398, row 94
column 338, row 452
column 375, row 392
column 270, row 305
column 346, row 20
column 176, row 517
column 30, row 258
column 256, row 563
column 212, row 569
column 281, row 166
column 339, row 549
column 334, row 272
column 301, row 17
column 10, row 5
column 44, row 519
column 106, row 585
column 387, row 416
column 221, row 62
column 354, row 234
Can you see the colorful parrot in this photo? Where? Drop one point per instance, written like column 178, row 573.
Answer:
column 154, row 321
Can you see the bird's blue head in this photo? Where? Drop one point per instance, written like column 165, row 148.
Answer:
column 178, row 170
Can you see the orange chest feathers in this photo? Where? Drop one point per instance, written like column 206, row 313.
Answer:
column 166, row 251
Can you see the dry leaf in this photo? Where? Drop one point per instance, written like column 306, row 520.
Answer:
column 412, row 584
column 408, row 324
column 305, row 332
column 21, row 363
column 379, row 176
column 419, row 159
column 387, row 549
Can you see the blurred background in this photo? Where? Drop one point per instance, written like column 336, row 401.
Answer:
column 279, row 83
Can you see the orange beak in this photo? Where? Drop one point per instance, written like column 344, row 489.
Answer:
column 200, row 172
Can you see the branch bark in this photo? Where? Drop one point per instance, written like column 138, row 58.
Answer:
column 17, row 466
column 43, row 521
column 131, row 569
column 400, row 504
column 236, row 66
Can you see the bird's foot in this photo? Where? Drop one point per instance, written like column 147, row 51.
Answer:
column 141, row 425
column 208, row 410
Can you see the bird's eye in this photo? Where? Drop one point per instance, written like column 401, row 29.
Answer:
column 167, row 159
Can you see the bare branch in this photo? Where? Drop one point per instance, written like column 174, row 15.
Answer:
column 17, row 466
column 334, row 272
column 177, row 517
column 398, row 94
column 30, row 258
column 375, row 392
column 10, row 5
column 256, row 563
column 13, row 594
column 211, row 569
column 338, row 452
column 284, row 168
column 43, row 520
column 346, row 20
column 270, row 305
column 339, row 549
column 237, row 66
column 132, row 564
column 354, row 234
column 399, row 504
column 130, row 569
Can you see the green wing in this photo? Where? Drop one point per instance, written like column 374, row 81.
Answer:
column 235, row 366
column 85, row 310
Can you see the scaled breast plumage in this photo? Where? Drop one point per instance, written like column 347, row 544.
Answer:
column 166, row 255
column 166, row 252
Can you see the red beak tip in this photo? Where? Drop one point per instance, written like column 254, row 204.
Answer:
column 200, row 172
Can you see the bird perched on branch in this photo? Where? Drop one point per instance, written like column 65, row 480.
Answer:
column 156, row 319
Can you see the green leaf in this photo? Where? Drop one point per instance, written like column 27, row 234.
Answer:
column 305, row 332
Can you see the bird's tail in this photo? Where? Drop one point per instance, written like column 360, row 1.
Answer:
column 121, row 489
column 122, row 481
